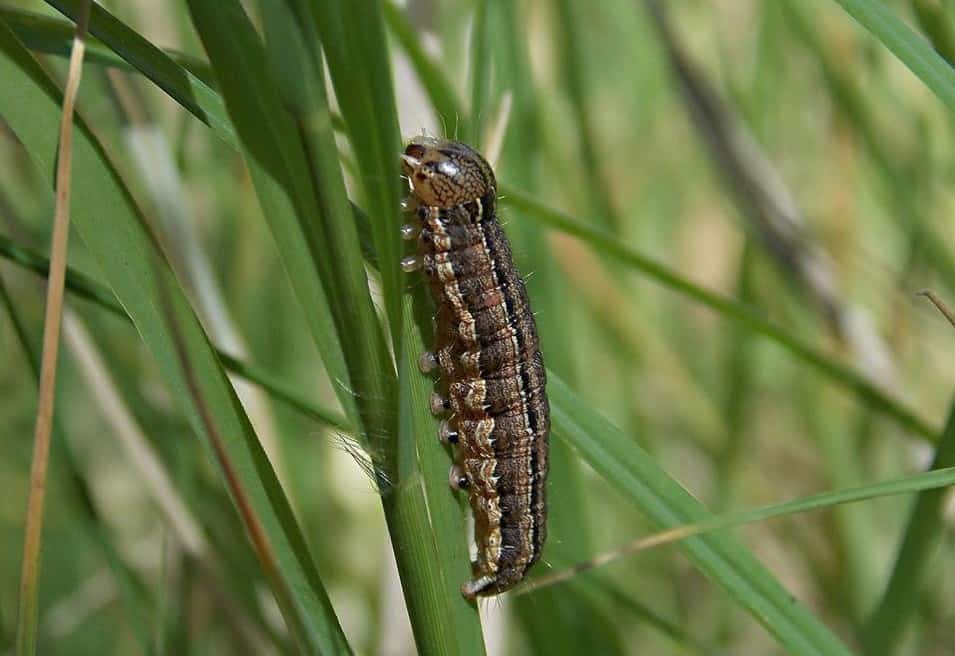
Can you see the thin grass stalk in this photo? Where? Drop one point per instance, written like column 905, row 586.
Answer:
column 443, row 96
column 28, row 611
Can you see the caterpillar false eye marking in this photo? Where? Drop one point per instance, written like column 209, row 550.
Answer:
column 490, row 368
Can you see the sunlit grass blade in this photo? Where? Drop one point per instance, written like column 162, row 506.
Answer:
column 729, row 308
column 115, row 233
column 627, row 467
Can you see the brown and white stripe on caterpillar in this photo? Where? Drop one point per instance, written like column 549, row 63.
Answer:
column 491, row 375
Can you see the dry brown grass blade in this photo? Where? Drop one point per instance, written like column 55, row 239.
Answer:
column 33, row 529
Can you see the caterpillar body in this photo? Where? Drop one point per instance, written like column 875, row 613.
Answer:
column 491, row 380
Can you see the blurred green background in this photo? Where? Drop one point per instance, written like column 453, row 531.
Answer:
column 774, row 152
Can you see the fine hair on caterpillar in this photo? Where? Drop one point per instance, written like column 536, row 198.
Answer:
column 490, row 387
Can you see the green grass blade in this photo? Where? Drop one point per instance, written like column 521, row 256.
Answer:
column 911, row 49
column 729, row 308
column 430, row 550
column 84, row 287
column 115, row 233
column 302, row 196
column 353, row 38
column 625, row 465
column 183, row 86
column 52, row 36
column 427, row 523
column 932, row 481
column 901, row 598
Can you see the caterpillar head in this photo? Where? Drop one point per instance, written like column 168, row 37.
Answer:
column 446, row 173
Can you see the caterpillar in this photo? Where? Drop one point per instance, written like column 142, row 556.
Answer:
column 491, row 380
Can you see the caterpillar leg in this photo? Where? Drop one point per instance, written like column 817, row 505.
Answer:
column 446, row 434
column 410, row 231
column 472, row 589
column 457, row 478
column 439, row 404
column 411, row 263
column 427, row 362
